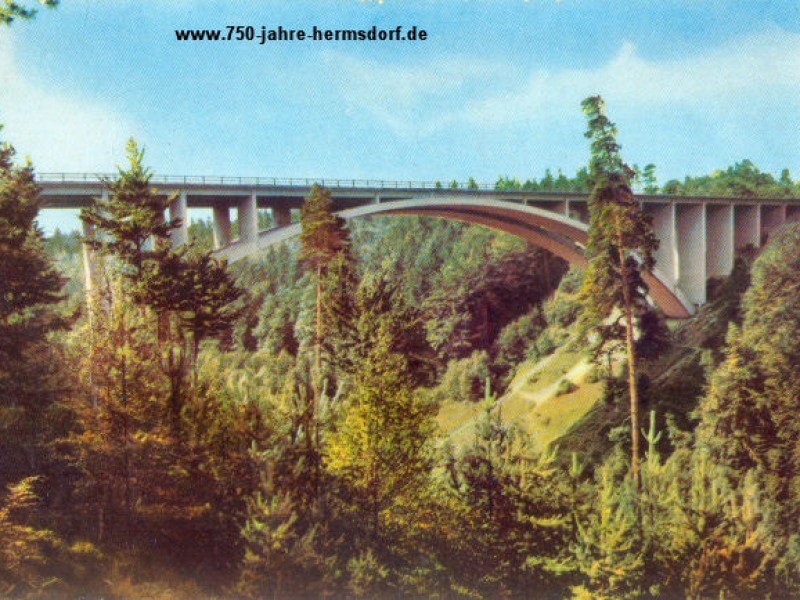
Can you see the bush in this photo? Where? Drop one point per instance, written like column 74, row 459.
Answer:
column 465, row 379
column 541, row 347
column 565, row 386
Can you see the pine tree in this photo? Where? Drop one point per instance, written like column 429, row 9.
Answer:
column 324, row 237
column 620, row 249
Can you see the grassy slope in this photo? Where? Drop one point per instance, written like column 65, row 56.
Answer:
column 577, row 421
column 532, row 400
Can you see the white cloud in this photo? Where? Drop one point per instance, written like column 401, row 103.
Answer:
column 435, row 95
column 59, row 129
column 404, row 97
column 747, row 69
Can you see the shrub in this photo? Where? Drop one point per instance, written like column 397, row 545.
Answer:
column 565, row 386
column 465, row 378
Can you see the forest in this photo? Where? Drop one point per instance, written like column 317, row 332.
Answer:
column 341, row 418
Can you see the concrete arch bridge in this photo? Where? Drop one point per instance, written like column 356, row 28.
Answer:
column 698, row 235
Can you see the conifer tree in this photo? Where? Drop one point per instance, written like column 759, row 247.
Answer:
column 131, row 215
column 29, row 290
column 29, row 285
column 620, row 249
column 324, row 237
column 380, row 447
column 198, row 289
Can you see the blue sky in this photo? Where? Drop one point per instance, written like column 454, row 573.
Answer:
column 693, row 85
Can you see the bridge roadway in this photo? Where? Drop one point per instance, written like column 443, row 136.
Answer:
column 699, row 235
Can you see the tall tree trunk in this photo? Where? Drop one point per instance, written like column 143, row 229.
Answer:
column 631, row 353
column 319, row 319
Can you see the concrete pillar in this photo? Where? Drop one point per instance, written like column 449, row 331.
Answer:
column 178, row 209
column 719, row 240
column 663, row 215
column 221, row 225
column 248, row 219
column 747, row 225
column 89, row 263
column 772, row 215
column 282, row 215
column 691, row 229
column 792, row 212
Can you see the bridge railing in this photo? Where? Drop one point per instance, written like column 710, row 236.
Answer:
column 271, row 181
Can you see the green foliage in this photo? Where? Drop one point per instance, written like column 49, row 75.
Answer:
column 514, row 516
column 32, row 372
column 29, row 285
column 471, row 306
column 621, row 248
column 323, row 235
column 515, row 340
column 129, row 218
column 565, row 386
column 198, row 289
column 23, row 548
column 749, row 418
column 743, row 179
column 367, row 576
column 35, row 562
column 379, row 448
column 464, row 378
column 621, row 238
column 608, row 547
column 325, row 246
column 279, row 561
column 11, row 10
column 548, row 183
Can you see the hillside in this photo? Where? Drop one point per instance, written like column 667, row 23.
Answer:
column 535, row 400
column 539, row 402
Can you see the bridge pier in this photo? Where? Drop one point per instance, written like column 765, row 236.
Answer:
column 89, row 264
column 178, row 209
column 221, row 226
column 747, row 225
column 248, row 219
column 772, row 216
column 282, row 215
column 720, row 232
column 663, row 216
column 691, row 229
column 792, row 213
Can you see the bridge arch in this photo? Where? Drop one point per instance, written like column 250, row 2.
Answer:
column 563, row 236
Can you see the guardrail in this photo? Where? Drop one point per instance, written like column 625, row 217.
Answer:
column 272, row 181
column 371, row 184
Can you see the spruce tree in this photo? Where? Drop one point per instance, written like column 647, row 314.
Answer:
column 131, row 215
column 380, row 448
column 621, row 248
column 30, row 370
column 29, row 285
